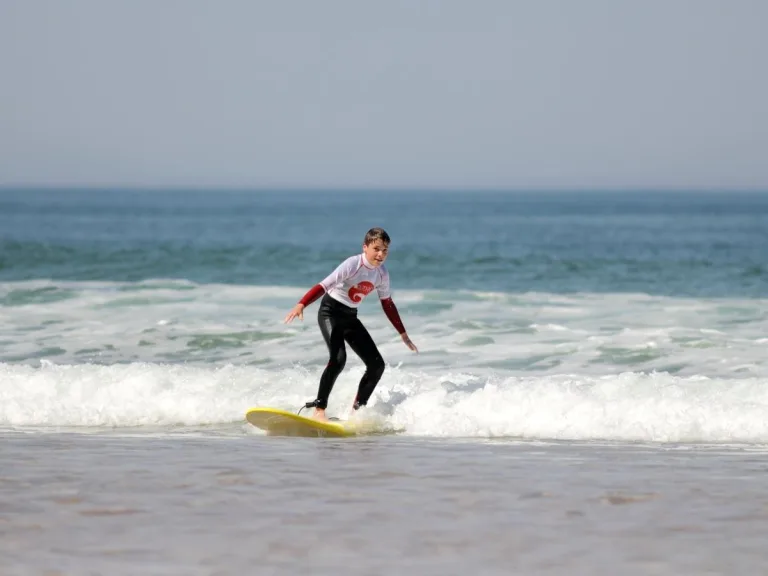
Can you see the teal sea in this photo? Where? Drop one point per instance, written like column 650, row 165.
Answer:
column 658, row 243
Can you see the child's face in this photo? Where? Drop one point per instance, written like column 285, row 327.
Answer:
column 376, row 252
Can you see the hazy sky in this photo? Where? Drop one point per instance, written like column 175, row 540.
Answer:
column 502, row 94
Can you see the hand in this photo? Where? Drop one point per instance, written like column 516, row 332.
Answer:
column 408, row 342
column 296, row 311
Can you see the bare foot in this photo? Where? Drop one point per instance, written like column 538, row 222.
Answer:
column 320, row 415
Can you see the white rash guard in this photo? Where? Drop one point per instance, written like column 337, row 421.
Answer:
column 354, row 279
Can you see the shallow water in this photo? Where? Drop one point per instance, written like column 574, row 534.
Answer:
column 202, row 504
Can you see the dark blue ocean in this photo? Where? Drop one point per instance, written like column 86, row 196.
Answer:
column 660, row 243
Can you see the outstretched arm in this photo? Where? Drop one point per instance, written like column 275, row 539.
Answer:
column 391, row 311
column 341, row 273
column 298, row 311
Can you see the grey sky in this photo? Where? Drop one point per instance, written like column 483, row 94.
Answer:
column 502, row 94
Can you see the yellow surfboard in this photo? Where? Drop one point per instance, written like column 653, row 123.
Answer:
column 277, row 422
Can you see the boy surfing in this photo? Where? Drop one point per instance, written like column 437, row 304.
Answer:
column 343, row 290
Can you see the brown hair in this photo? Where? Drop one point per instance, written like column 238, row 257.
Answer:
column 376, row 234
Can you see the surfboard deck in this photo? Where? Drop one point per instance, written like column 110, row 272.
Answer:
column 277, row 422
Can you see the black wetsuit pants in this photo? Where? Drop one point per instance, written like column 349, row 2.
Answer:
column 339, row 324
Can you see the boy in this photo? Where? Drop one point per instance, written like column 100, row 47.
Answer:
column 344, row 290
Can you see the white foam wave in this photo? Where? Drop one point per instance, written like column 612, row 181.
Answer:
column 625, row 407
column 582, row 366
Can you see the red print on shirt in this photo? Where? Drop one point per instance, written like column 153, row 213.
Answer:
column 360, row 291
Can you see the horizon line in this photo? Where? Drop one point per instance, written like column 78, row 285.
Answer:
column 113, row 188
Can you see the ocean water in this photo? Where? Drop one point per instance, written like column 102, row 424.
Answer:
column 594, row 362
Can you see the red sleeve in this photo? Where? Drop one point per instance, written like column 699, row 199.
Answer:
column 391, row 311
column 313, row 294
